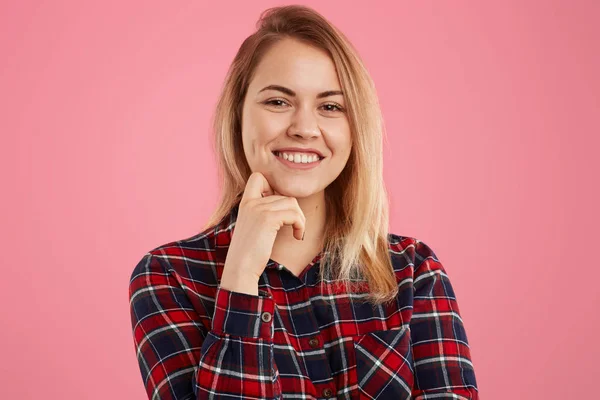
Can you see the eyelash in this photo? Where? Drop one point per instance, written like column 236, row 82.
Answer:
column 339, row 108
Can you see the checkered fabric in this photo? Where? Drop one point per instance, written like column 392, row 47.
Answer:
column 196, row 340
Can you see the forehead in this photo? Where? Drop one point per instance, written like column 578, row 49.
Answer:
column 297, row 65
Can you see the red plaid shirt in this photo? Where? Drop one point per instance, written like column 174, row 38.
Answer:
column 195, row 340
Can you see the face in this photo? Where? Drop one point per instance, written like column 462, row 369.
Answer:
column 299, row 113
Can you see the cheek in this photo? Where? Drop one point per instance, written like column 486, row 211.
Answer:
column 267, row 126
column 341, row 142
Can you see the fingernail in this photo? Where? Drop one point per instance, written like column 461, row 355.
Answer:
column 303, row 235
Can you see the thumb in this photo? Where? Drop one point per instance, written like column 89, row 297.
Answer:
column 256, row 185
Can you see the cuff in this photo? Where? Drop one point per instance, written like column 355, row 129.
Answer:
column 242, row 314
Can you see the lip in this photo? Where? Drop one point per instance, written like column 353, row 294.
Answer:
column 300, row 166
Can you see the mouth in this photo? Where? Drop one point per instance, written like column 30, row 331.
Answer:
column 276, row 154
column 298, row 165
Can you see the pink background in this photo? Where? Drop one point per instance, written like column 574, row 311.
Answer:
column 492, row 117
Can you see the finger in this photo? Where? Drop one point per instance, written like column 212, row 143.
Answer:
column 257, row 184
column 272, row 192
column 273, row 198
column 293, row 218
column 283, row 203
column 276, row 203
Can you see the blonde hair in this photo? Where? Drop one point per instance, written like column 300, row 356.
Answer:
column 356, row 231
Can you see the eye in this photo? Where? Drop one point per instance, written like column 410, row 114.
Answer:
column 337, row 107
column 270, row 102
column 334, row 106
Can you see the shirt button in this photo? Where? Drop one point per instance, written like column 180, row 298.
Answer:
column 266, row 316
column 327, row 392
column 314, row 342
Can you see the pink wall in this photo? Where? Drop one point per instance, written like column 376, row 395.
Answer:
column 492, row 116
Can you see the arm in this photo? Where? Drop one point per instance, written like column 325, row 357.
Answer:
column 441, row 353
column 180, row 359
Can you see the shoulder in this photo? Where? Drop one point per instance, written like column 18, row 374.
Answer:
column 411, row 253
column 187, row 258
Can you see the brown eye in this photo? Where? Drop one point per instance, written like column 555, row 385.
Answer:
column 336, row 107
column 271, row 102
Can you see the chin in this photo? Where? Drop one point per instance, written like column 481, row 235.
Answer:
column 293, row 186
column 296, row 192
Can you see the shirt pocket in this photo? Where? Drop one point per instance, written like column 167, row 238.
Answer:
column 384, row 364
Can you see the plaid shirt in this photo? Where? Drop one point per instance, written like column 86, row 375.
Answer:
column 196, row 340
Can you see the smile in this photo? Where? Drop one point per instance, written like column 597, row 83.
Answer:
column 298, row 165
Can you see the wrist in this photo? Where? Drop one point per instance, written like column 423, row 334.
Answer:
column 241, row 283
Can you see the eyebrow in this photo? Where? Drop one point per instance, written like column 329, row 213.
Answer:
column 290, row 92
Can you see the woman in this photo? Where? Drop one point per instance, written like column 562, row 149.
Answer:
column 295, row 288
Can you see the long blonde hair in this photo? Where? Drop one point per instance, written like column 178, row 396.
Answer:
column 356, row 231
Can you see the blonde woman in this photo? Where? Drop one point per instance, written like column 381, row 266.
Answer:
column 295, row 288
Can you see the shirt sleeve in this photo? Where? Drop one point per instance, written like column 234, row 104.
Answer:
column 441, row 353
column 180, row 359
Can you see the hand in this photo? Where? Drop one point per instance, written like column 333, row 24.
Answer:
column 258, row 222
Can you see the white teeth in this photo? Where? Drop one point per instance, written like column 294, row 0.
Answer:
column 298, row 157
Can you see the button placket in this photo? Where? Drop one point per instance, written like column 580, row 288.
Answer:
column 316, row 361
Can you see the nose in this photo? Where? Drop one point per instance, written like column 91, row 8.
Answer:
column 304, row 124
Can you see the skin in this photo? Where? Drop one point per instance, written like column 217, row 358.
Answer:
column 303, row 120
